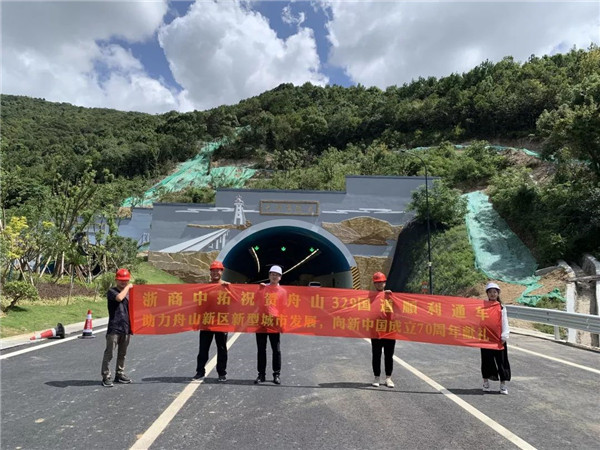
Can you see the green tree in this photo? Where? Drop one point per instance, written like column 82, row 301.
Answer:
column 446, row 206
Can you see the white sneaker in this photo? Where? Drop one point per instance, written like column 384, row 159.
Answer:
column 503, row 389
column 389, row 383
column 375, row 382
column 486, row 386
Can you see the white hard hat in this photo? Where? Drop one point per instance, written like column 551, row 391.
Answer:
column 492, row 286
column 276, row 269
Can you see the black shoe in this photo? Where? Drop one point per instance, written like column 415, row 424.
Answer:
column 259, row 379
column 124, row 379
column 198, row 376
column 107, row 382
column 276, row 379
column 222, row 378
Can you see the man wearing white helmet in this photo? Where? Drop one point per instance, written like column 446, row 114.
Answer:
column 494, row 363
column 275, row 274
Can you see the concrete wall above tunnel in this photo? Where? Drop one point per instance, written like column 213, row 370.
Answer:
column 306, row 252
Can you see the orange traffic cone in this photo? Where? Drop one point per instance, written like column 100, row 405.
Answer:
column 88, row 332
column 58, row 332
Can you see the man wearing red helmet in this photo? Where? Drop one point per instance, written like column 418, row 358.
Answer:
column 206, row 336
column 387, row 345
column 119, row 328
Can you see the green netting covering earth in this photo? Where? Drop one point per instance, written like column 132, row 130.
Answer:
column 499, row 253
column 195, row 173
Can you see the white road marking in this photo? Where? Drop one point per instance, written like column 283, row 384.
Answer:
column 47, row 344
column 562, row 361
column 150, row 435
column 504, row 432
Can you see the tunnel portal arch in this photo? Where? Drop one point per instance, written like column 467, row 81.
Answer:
column 306, row 252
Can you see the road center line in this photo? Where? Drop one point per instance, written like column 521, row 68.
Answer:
column 47, row 344
column 504, row 432
column 150, row 435
column 562, row 361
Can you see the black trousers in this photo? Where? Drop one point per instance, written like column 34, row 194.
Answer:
column 206, row 338
column 388, row 346
column 494, row 364
column 261, row 345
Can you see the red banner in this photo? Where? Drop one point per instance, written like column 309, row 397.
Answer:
column 174, row 308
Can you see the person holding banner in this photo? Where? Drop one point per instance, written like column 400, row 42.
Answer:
column 387, row 345
column 206, row 336
column 119, row 328
column 494, row 363
column 273, row 295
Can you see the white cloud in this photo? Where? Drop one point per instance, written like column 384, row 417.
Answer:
column 386, row 43
column 54, row 50
column 288, row 17
column 223, row 52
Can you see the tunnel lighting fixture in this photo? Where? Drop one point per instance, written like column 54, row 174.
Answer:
column 312, row 254
column 252, row 251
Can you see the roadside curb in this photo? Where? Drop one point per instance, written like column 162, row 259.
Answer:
column 23, row 339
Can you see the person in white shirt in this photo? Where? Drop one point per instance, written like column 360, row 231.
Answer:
column 494, row 363
column 275, row 274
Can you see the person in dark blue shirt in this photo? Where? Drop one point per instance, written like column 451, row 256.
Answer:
column 119, row 328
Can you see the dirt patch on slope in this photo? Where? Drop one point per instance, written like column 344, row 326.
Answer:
column 541, row 171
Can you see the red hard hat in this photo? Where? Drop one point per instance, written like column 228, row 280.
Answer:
column 217, row 265
column 378, row 277
column 123, row 275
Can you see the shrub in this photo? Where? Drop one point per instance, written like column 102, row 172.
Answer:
column 104, row 282
column 19, row 290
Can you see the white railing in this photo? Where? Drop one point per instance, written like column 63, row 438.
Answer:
column 583, row 322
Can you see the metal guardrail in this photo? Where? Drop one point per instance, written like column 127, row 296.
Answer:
column 584, row 322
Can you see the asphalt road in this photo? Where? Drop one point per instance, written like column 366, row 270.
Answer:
column 51, row 398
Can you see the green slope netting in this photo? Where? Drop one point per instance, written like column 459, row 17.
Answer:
column 194, row 173
column 499, row 253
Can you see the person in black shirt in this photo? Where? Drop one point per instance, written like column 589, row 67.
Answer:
column 119, row 328
column 387, row 345
column 206, row 336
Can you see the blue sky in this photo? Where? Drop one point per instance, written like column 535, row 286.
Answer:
column 159, row 55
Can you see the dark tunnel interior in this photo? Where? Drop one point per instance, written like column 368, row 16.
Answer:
column 302, row 253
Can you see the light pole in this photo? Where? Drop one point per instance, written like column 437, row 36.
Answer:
column 429, row 265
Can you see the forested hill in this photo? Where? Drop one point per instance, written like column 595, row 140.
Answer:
column 504, row 100
column 313, row 134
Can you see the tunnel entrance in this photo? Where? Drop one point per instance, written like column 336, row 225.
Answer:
column 307, row 253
